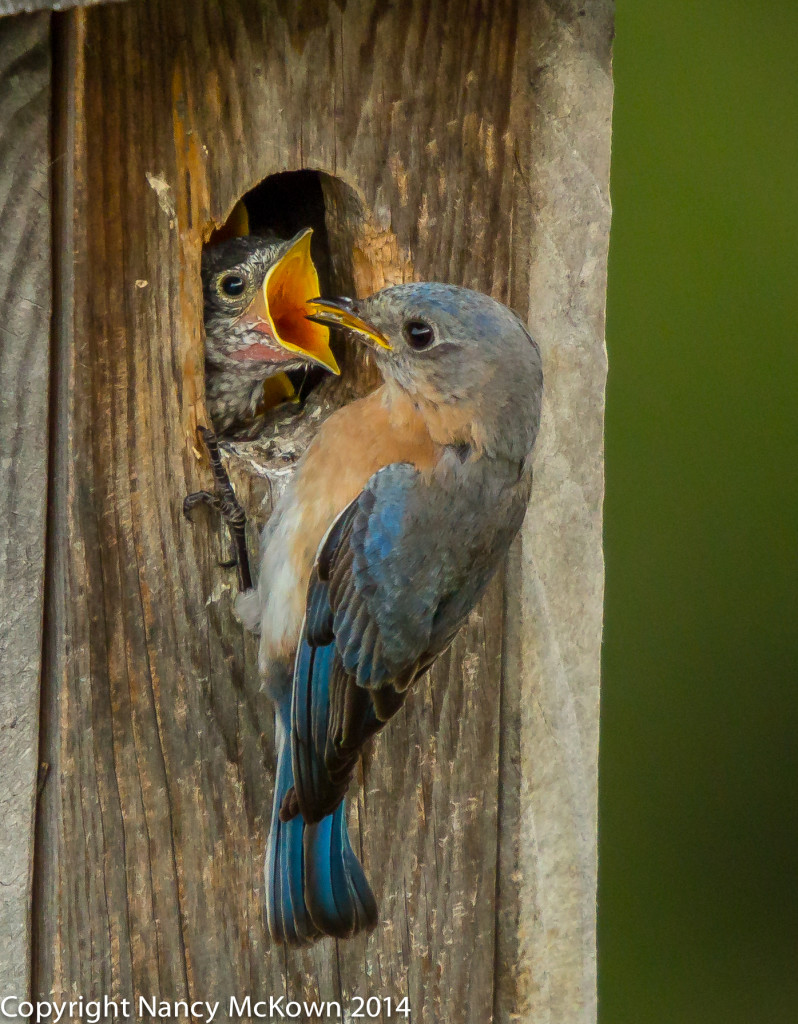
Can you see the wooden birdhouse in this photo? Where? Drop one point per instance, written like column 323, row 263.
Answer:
column 459, row 141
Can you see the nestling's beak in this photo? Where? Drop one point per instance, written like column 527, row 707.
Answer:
column 342, row 313
column 281, row 302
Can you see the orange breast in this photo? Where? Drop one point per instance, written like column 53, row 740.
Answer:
column 356, row 441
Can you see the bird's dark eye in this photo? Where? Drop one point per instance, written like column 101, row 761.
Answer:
column 419, row 334
column 232, row 284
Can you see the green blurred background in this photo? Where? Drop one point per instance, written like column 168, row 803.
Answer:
column 698, row 897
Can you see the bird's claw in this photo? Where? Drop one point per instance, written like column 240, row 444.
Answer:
column 223, row 500
column 191, row 501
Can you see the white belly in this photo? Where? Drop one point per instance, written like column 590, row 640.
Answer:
column 281, row 588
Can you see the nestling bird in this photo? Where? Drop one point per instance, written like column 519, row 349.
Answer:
column 374, row 557
column 254, row 291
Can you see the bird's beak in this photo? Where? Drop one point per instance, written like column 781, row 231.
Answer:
column 342, row 313
column 282, row 303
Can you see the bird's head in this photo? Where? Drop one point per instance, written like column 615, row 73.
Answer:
column 255, row 290
column 466, row 361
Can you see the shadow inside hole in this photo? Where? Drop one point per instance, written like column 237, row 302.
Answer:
column 284, row 204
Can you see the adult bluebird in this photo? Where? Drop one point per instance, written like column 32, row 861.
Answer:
column 400, row 512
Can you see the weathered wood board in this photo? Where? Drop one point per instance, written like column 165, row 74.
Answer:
column 476, row 137
column 25, row 298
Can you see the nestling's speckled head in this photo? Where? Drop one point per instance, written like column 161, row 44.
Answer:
column 254, row 290
column 232, row 273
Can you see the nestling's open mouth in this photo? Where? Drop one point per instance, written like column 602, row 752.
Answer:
column 289, row 284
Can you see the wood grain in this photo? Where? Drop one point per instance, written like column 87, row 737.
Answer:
column 422, row 119
column 24, row 373
column 23, row 6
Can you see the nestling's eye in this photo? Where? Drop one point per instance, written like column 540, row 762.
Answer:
column 419, row 334
column 232, row 285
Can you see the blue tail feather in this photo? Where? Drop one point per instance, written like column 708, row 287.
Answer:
column 286, row 911
column 326, row 879
column 315, row 884
column 366, row 912
column 339, row 897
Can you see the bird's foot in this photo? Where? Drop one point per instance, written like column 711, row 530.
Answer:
column 223, row 500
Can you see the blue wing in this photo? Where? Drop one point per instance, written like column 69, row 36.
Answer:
column 370, row 613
